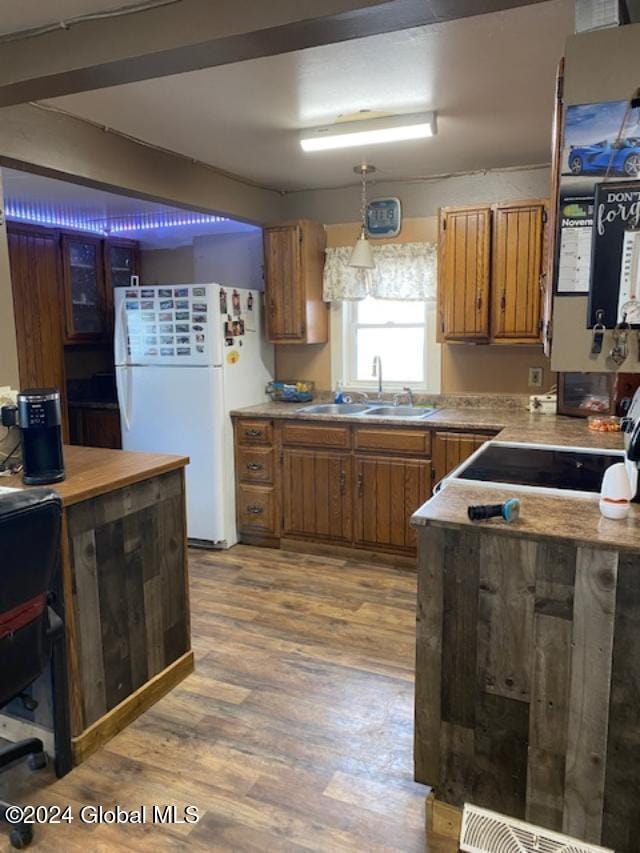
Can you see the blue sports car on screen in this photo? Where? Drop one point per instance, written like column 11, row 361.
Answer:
column 619, row 158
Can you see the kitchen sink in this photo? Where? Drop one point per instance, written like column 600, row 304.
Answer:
column 336, row 409
column 399, row 412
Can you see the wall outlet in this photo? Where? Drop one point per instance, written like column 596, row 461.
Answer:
column 535, row 377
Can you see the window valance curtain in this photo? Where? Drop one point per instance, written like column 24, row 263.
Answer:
column 402, row 271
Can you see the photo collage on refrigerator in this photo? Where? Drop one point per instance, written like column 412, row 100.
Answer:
column 165, row 322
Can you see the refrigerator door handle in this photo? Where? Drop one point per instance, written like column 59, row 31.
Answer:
column 121, row 334
column 123, row 384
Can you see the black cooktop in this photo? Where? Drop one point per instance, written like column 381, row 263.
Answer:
column 540, row 466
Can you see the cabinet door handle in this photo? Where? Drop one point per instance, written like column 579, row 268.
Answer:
column 360, row 481
column 255, row 509
column 479, row 302
column 254, row 466
column 343, row 482
column 253, row 433
column 503, row 301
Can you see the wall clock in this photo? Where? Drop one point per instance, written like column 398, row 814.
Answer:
column 384, row 217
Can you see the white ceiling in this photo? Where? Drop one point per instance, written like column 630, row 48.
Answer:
column 490, row 78
column 17, row 15
column 34, row 198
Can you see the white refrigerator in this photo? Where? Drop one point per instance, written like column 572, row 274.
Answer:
column 185, row 356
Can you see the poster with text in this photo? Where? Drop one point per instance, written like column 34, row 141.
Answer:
column 591, row 152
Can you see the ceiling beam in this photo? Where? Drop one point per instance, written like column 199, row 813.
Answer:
column 190, row 35
column 57, row 145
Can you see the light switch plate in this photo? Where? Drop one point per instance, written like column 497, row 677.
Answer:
column 535, row 377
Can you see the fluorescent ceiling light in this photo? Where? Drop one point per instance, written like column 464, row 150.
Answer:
column 350, row 134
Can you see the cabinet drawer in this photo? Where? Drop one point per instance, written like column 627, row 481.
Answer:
column 317, row 435
column 255, row 432
column 400, row 440
column 256, row 509
column 255, row 464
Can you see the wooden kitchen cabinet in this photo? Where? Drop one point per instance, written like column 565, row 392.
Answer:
column 95, row 427
column 388, row 491
column 83, row 281
column 37, row 298
column 491, row 272
column 452, row 448
column 317, row 490
column 121, row 269
column 121, row 262
column 332, row 483
column 464, row 273
column 517, row 272
column 293, row 267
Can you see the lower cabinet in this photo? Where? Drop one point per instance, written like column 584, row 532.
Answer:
column 317, row 488
column 388, row 491
column 350, row 485
column 256, row 507
column 452, row 448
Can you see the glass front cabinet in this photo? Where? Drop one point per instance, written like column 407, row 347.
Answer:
column 91, row 268
column 84, row 286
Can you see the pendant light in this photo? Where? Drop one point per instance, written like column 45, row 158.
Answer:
column 362, row 256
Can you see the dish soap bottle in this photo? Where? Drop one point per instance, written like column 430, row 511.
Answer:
column 339, row 396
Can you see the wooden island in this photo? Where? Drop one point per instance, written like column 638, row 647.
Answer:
column 124, row 587
column 528, row 663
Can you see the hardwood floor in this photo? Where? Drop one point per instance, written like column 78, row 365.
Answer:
column 294, row 733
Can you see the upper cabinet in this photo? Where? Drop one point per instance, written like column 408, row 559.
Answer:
column 121, row 262
column 464, row 273
column 293, row 265
column 517, row 272
column 84, row 289
column 34, row 258
column 491, row 273
column 121, row 269
column 91, row 268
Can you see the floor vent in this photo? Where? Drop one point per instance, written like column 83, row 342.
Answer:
column 484, row 831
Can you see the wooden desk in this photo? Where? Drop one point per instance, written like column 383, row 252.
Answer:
column 125, row 586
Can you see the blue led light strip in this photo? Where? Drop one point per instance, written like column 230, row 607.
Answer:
column 42, row 214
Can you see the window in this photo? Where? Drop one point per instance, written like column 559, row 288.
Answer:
column 398, row 331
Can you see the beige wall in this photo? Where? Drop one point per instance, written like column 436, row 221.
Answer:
column 424, row 197
column 167, row 266
column 468, row 368
column 600, row 66
column 8, row 351
column 465, row 367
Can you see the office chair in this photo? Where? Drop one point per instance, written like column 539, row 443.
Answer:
column 31, row 631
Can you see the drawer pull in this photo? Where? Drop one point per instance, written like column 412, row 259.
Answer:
column 255, row 509
column 253, row 433
column 254, row 466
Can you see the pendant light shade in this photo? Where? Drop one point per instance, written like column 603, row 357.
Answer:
column 362, row 255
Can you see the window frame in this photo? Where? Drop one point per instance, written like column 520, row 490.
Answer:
column 344, row 360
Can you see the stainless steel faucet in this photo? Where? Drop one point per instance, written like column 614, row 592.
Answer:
column 376, row 370
column 405, row 391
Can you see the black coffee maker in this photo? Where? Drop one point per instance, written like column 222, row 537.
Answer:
column 39, row 418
